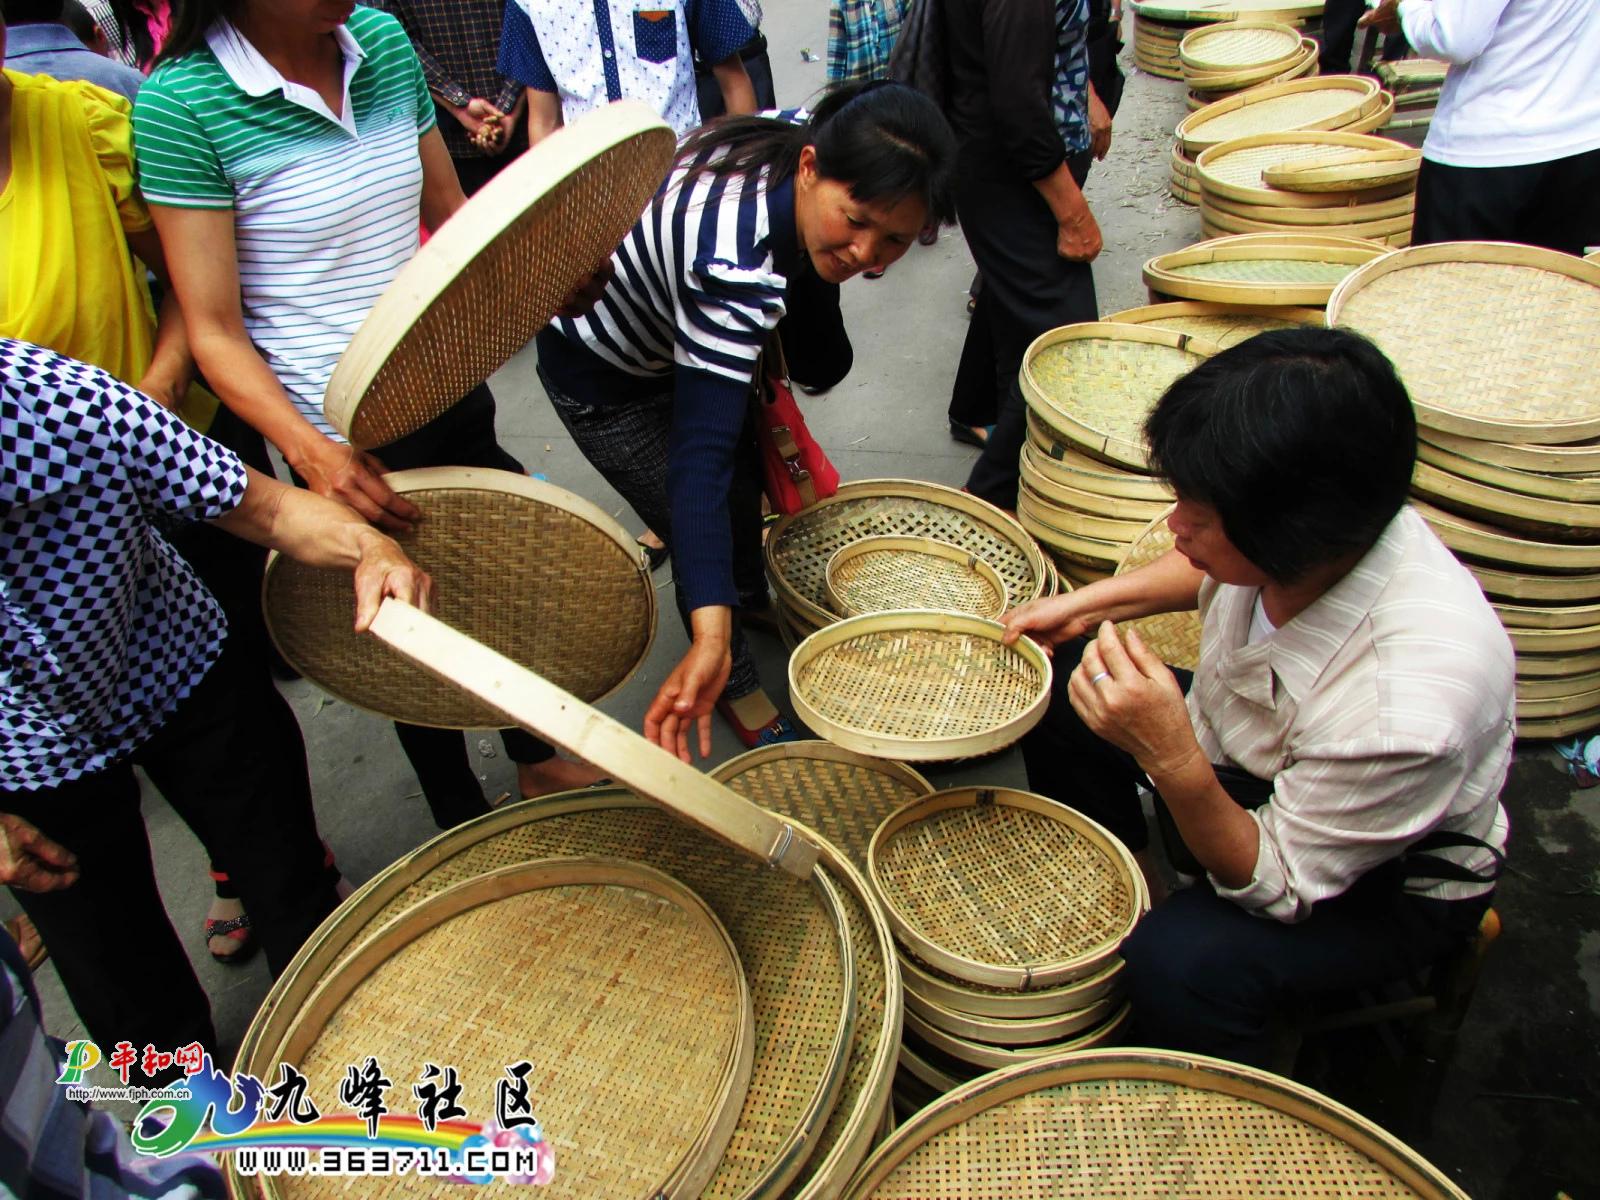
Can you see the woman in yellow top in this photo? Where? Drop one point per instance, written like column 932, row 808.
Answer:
column 74, row 232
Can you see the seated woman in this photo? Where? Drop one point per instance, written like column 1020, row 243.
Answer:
column 762, row 220
column 1336, row 770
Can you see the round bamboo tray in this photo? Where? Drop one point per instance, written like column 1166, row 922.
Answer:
column 1233, row 169
column 1531, row 616
column 1080, row 574
column 1071, row 520
column 1096, row 382
column 623, row 954
column 502, row 548
column 1582, row 458
column 1221, row 222
column 1175, row 637
column 1576, row 489
column 1072, row 468
column 879, row 574
column 1044, row 482
column 1554, row 641
column 1558, row 727
column 1013, row 1032
column 494, row 274
column 1514, row 585
column 1203, row 91
column 973, row 999
column 799, row 958
column 1557, row 666
column 1223, row 325
column 1473, row 538
column 798, row 547
column 1196, row 11
column 914, row 1059
column 1556, row 708
column 1081, row 550
column 1493, row 341
column 1284, row 271
column 1324, row 102
column 918, row 685
column 1401, row 206
column 1142, row 1124
column 1346, row 170
column 1554, row 689
column 1216, row 85
column 994, row 1058
column 1004, row 888
column 1568, row 520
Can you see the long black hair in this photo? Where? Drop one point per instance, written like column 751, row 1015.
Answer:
column 189, row 22
column 884, row 141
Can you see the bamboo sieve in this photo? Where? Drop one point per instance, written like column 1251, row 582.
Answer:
column 1012, row 1031
column 933, row 987
column 1574, row 488
column 1498, row 548
column 1544, row 616
column 1564, row 520
column 1195, row 11
column 1321, row 102
column 1174, row 636
column 1527, row 587
column 1345, row 170
column 986, row 1056
column 1235, row 169
column 878, row 574
column 1056, row 458
column 1281, row 269
column 1239, row 45
column 1578, row 458
column 1072, row 519
column 1044, row 480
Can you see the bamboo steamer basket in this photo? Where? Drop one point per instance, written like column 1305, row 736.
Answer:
column 1480, row 541
column 919, row 685
column 881, row 574
column 991, row 1057
column 1323, row 102
column 1576, row 489
column 799, row 546
column 814, row 997
column 1535, row 616
column 494, row 274
column 1560, row 520
column 1581, row 458
column 502, row 546
column 1344, row 170
column 1013, row 1032
column 1045, row 484
column 933, row 987
column 1238, row 46
column 1287, row 269
column 1142, row 1124
column 540, row 707
column 1223, row 325
column 1116, row 374
column 1459, row 347
column 1526, row 587
column 1072, row 521
column 1233, row 169
column 622, row 952
column 1003, row 888
column 1175, row 636
column 1059, row 461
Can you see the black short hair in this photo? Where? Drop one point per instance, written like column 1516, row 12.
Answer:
column 1303, row 440
column 31, row 12
column 76, row 18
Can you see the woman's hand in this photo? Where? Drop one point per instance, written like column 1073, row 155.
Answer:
column 1099, row 126
column 32, row 862
column 1078, row 235
column 355, row 478
column 695, row 684
column 480, row 119
column 1385, row 16
column 1048, row 621
column 384, row 571
column 1129, row 697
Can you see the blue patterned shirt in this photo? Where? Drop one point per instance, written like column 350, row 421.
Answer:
column 1069, row 99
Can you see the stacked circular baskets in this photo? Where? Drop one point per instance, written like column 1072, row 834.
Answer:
column 1415, row 84
column 1234, row 56
column 1499, row 346
column 1160, row 26
column 1086, row 488
column 1263, row 124
column 1261, row 270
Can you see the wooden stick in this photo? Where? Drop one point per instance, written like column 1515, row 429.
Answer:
column 542, row 708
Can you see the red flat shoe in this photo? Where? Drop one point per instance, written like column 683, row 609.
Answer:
column 781, row 729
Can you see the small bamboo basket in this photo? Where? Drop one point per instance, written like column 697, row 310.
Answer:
column 1280, row 268
column 879, row 574
column 1174, row 636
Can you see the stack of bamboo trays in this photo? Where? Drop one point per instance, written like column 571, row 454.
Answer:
column 1086, row 489
column 1415, row 84
column 1343, row 184
column 1499, row 346
column 1007, row 910
column 1234, row 56
column 1278, row 270
column 1159, row 26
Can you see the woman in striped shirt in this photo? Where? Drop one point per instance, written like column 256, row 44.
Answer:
column 761, row 221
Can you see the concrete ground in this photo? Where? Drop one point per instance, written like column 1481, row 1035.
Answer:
column 1517, row 1117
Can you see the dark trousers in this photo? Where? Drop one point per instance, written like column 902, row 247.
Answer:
column 1027, row 289
column 628, row 444
column 463, row 436
column 217, row 761
column 1549, row 204
column 756, row 64
column 1339, row 19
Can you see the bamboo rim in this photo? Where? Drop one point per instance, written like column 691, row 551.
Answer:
column 1020, row 977
column 994, row 1058
column 1556, row 687
column 1489, row 418
column 1219, row 84
column 1577, row 459
column 1481, row 541
column 975, row 1000
column 1513, row 585
column 994, row 730
column 1385, row 231
column 853, row 600
column 1075, row 469
column 1047, row 485
column 563, row 206
column 1108, row 444
column 1222, row 10
column 1364, row 100
column 1495, row 502
column 698, row 1164
column 1538, row 729
column 1400, row 206
column 1535, row 616
column 1346, row 170
column 1089, row 552
column 1069, row 519
column 1574, row 487
column 1187, row 1071
column 1554, row 641
column 1557, row 666
column 925, row 1072
column 796, row 553
column 1215, row 184
column 545, row 709
column 1195, row 318
column 1160, row 272
column 1556, row 706
column 1012, row 1031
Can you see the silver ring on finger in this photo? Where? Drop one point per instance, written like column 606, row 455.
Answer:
column 1095, row 679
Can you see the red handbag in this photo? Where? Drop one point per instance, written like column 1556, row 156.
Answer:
column 795, row 471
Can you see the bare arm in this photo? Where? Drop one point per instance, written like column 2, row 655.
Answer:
column 1169, row 584
column 323, row 533
column 544, row 115
column 171, row 368
column 441, row 188
column 738, row 93
column 203, row 262
column 1078, row 234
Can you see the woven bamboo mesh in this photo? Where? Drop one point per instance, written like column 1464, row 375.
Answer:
column 1267, row 270
column 1239, row 44
column 1243, row 167
column 1141, row 1124
column 493, row 275
column 503, row 548
column 799, row 546
column 916, row 678
column 1343, row 170
column 798, row 959
column 1327, row 102
column 1488, row 346
column 1175, row 637
column 879, row 574
column 1025, row 888
column 575, row 978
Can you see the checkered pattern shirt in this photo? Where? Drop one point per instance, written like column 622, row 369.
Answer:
column 861, row 37
column 457, row 42
column 103, row 627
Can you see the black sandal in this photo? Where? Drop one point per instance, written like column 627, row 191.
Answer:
column 971, row 435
